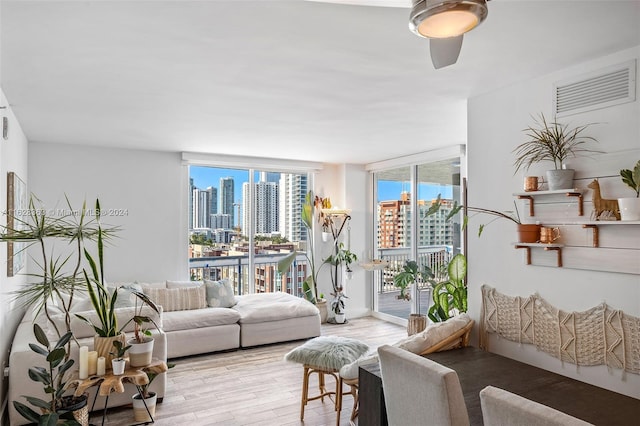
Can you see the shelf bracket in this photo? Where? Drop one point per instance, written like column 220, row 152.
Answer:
column 528, row 261
column 580, row 203
column 596, row 241
column 558, row 250
column 530, row 198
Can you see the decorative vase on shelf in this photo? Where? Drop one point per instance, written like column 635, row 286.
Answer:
column 560, row 179
column 629, row 208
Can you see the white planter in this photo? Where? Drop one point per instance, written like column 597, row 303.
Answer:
column 118, row 366
column 560, row 179
column 629, row 208
column 340, row 318
column 325, row 236
column 139, row 411
column 140, row 353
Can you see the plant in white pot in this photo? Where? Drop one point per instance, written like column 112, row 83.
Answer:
column 141, row 346
column 118, row 363
column 337, row 306
column 144, row 402
column 630, row 207
column 553, row 142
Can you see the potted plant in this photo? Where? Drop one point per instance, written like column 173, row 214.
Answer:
column 630, row 207
column 341, row 256
column 144, row 402
column 554, row 142
column 141, row 346
column 527, row 233
column 321, row 304
column 118, row 362
column 337, row 306
column 309, row 285
column 450, row 295
column 324, row 220
column 410, row 275
column 60, row 408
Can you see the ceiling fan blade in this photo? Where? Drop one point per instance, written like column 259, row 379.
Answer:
column 445, row 51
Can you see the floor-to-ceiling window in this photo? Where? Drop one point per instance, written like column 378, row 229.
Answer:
column 404, row 231
column 242, row 222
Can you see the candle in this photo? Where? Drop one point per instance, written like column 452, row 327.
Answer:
column 93, row 362
column 83, row 372
column 101, row 367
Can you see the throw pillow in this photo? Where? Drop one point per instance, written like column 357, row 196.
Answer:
column 332, row 352
column 220, row 294
column 125, row 298
column 178, row 299
column 433, row 334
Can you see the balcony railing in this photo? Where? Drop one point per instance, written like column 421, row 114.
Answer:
column 435, row 257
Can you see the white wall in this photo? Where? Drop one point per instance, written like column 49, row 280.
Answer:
column 13, row 158
column 496, row 121
column 150, row 187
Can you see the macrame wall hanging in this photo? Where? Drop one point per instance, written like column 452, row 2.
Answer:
column 600, row 335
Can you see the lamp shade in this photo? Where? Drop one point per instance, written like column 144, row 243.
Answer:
column 446, row 18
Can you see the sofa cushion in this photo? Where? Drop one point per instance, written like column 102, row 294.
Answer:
column 81, row 329
column 264, row 307
column 199, row 318
column 178, row 299
column 220, row 294
column 181, row 284
column 352, row 370
column 433, row 334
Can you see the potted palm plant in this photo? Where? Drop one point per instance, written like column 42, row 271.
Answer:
column 553, row 142
column 59, row 408
column 630, row 207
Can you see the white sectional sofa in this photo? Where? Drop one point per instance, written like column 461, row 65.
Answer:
column 197, row 328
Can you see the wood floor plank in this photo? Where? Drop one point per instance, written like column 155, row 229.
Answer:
column 252, row 387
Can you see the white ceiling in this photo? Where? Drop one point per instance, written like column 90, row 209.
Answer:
column 286, row 79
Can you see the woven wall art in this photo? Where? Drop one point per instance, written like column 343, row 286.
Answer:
column 600, row 335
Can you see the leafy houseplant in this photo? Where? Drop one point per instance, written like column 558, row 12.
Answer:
column 337, row 306
column 324, row 220
column 118, row 362
column 630, row 207
column 450, row 295
column 410, row 274
column 553, row 142
column 341, row 256
column 59, row 408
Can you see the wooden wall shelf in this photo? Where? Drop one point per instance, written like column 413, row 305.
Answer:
column 566, row 192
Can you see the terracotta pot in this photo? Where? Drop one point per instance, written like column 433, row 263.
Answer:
column 528, row 233
column 104, row 346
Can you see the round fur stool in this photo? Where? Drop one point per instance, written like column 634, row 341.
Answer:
column 325, row 355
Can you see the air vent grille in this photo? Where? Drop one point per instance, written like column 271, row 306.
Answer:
column 604, row 88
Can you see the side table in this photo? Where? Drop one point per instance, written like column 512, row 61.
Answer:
column 111, row 383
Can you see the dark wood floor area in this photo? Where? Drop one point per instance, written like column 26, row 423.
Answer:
column 251, row 386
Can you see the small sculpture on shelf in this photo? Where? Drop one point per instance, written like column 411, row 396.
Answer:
column 603, row 209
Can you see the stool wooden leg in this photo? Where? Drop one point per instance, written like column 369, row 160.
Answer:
column 338, row 400
column 305, row 391
column 321, row 386
column 354, row 392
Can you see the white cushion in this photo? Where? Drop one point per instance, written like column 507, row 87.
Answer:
column 199, row 318
column 351, row 371
column 433, row 334
column 263, row 307
column 332, row 352
column 178, row 299
column 220, row 294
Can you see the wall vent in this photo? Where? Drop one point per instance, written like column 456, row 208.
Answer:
column 610, row 86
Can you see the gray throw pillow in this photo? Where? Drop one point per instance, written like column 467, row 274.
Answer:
column 220, row 294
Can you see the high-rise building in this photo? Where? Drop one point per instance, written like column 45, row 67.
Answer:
column 213, row 200
column 200, row 208
column 293, row 190
column 265, row 204
column 227, row 196
column 191, row 188
column 220, row 221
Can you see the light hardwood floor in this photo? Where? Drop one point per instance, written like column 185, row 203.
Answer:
column 252, row 386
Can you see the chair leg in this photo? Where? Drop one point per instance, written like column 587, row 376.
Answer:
column 305, row 391
column 354, row 392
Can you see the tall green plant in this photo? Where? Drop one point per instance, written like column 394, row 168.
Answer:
column 52, row 378
column 551, row 141
column 450, row 296
column 309, row 285
column 632, row 178
column 410, row 274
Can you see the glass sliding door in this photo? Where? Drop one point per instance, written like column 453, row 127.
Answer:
column 404, row 231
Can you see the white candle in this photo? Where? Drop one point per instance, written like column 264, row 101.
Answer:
column 93, row 362
column 83, row 372
column 101, row 367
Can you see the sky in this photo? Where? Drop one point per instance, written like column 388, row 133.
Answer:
column 204, row 177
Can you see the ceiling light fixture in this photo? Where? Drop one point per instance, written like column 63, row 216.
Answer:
column 446, row 18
